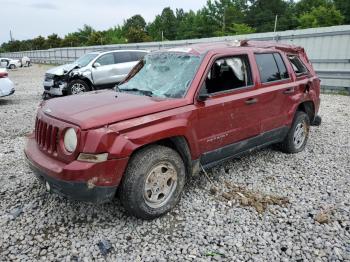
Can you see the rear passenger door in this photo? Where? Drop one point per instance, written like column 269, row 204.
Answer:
column 275, row 86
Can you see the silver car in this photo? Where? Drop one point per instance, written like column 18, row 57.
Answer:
column 96, row 70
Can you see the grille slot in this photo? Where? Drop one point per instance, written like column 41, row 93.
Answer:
column 46, row 136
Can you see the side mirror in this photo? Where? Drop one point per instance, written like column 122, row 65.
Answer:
column 97, row 65
column 203, row 94
column 202, row 97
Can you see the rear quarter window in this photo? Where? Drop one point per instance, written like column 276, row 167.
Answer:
column 298, row 66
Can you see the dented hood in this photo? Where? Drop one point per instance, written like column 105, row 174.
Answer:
column 96, row 109
column 61, row 70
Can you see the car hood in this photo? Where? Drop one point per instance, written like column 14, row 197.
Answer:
column 61, row 70
column 100, row 108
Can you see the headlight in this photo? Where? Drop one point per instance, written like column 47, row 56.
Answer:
column 70, row 140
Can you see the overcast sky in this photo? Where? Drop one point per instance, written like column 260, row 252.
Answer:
column 31, row 18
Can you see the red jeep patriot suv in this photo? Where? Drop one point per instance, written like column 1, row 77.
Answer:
column 177, row 110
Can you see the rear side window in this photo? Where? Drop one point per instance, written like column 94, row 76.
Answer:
column 123, row 57
column 298, row 66
column 271, row 67
column 107, row 59
column 137, row 56
column 281, row 66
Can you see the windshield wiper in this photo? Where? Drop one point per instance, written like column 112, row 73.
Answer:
column 144, row 92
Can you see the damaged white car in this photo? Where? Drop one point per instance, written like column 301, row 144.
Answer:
column 96, row 70
column 7, row 87
column 10, row 63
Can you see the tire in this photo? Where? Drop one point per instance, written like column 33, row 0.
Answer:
column 12, row 66
column 153, row 182
column 294, row 142
column 77, row 87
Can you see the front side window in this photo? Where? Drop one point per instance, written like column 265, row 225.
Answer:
column 163, row 74
column 107, row 59
column 298, row 66
column 85, row 59
column 229, row 73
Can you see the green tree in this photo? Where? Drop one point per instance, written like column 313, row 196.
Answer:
column 72, row 39
column 84, row 33
column 344, row 7
column 241, row 29
column 321, row 16
column 262, row 13
column 306, row 6
column 53, row 41
column 136, row 35
column 136, row 21
column 39, row 43
column 115, row 35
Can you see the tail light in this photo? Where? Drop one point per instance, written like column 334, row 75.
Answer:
column 3, row 74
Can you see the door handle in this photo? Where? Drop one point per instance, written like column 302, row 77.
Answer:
column 289, row 91
column 251, row 101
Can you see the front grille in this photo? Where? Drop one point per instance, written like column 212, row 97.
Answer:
column 46, row 136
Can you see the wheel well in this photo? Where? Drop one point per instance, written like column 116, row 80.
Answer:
column 86, row 80
column 308, row 108
column 180, row 145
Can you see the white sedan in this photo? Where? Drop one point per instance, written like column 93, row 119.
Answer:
column 6, row 85
column 10, row 63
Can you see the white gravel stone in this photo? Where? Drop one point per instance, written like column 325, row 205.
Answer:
column 202, row 227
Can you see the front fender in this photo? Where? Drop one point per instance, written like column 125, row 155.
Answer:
column 128, row 142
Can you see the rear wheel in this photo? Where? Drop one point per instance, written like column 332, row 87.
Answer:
column 77, row 87
column 12, row 66
column 298, row 134
column 153, row 182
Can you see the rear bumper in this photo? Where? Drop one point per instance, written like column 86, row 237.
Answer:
column 90, row 182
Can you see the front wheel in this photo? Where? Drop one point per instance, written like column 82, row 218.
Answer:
column 153, row 182
column 298, row 134
column 77, row 87
column 12, row 66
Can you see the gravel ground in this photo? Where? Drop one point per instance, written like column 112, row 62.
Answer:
column 35, row 225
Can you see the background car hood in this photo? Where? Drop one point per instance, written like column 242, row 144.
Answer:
column 96, row 109
column 61, row 70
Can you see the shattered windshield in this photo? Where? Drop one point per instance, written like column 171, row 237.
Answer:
column 164, row 75
column 85, row 60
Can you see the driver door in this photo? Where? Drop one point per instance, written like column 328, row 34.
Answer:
column 102, row 69
column 229, row 115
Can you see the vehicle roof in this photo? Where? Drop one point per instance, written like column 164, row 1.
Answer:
column 203, row 48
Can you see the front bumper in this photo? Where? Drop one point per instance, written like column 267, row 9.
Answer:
column 53, row 90
column 89, row 182
column 74, row 190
